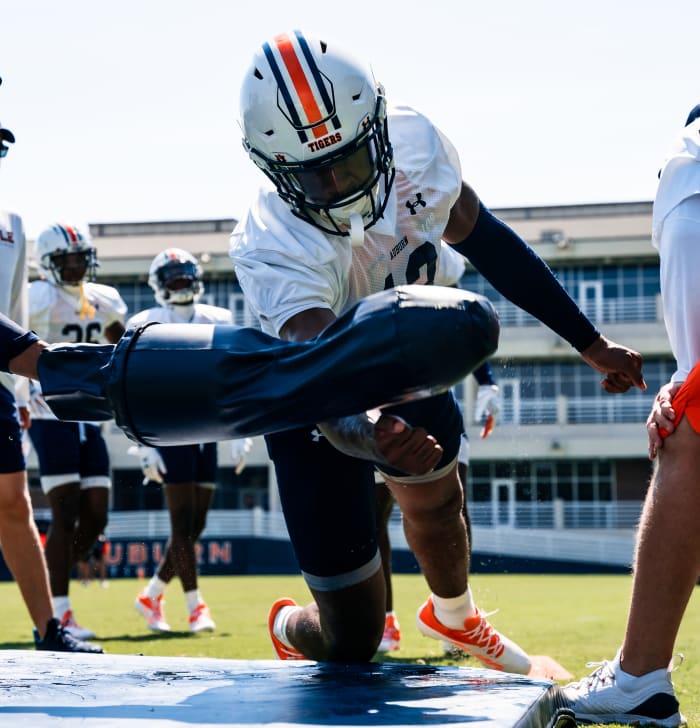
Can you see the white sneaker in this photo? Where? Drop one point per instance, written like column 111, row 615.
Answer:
column 610, row 695
column 478, row 638
column 200, row 619
column 72, row 627
column 152, row 611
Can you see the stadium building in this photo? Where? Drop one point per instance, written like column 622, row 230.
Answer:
column 565, row 458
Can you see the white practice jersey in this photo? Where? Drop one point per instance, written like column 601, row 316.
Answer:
column 13, row 276
column 450, row 267
column 286, row 265
column 676, row 235
column 55, row 316
column 200, row 313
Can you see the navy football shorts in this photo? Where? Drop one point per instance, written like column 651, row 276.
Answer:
column 328, row 498
column 190, row 464
column 70, row 452
column 11, row 456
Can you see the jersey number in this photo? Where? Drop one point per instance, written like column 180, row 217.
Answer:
column 423, row 255
column 90, row 335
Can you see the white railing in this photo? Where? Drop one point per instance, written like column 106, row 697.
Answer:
column 557, row 515
column 576, row 410
column 609, row 311
column 600, row 533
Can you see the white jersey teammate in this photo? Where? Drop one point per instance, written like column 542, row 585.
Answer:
column 187, row 471
column 66, row 305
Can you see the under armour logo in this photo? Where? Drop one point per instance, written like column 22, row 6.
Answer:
column 412, row 205
column 6, row 235
column 316, row 434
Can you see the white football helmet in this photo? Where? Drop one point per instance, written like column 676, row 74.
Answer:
column 66, row 254
column 314, row 121
column 176, row 277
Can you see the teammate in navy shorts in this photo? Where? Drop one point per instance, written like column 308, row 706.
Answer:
column 65, row 304
column 357, row 200
column 18, row 533
column 187, row 472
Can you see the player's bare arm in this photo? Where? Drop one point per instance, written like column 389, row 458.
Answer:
column 25, row 363
column 114, row 332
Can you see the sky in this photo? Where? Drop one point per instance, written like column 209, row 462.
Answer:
column 127, row 111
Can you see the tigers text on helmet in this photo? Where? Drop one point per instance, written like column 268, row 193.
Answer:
column 66, row 254
column 314, row 121
column 176, row 277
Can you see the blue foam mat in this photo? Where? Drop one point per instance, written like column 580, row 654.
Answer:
column 100, row 691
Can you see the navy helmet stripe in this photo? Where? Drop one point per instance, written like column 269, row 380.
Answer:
column 291, row 109
column 315, row 72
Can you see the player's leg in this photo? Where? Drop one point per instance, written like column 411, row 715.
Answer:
column 391, row 638
column 95, row 484
column 329, row 506
column 432, row 507
column 57, row 445
column 21, row 545
column 94, row 506
column 636, row 685
column 19, row 536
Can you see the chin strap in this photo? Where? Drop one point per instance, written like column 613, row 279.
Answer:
column 357, row 230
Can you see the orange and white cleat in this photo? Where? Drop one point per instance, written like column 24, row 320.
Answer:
column 73, row 628
column 200, row 619
column 478, row 638
column 152, row 611
column 391, row 639
column 282, row 649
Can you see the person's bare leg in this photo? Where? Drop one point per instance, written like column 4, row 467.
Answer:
column 181, row 499
column 65, row 509
column 21, row 548
column 94, row 505
column 436, row 531
column 667, row 560
column 344, row 625
column 385, row 505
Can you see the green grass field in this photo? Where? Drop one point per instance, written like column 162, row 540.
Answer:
column 574, row 619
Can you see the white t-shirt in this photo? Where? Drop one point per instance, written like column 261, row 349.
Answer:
column 286, row 265
column 676, row 235
column 13, row 278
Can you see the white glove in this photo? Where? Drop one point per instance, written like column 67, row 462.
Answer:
column 239, row 449
column 488, row 404
column 152, row 464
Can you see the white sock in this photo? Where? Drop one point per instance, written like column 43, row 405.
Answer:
column 155, row 588
column 279, row 628
column 452, row 611
column 60, row 606
column 193, row 599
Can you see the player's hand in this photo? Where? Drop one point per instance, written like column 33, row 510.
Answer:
column 239, row 449
column 406, row 448
column 152, row 465
column 622, row 366
column 488, row 405
column 661, row 417
column 25, row 417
